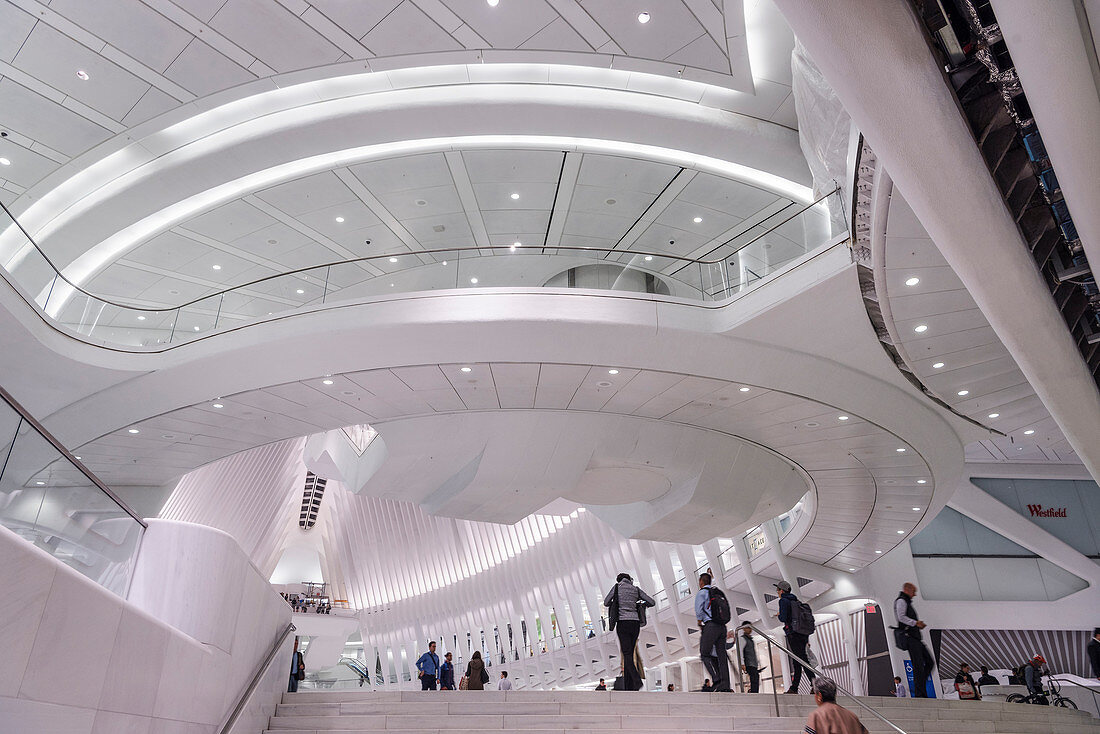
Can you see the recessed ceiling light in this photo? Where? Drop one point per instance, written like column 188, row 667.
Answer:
column 141, row 318
column 467, row 369
column 938, row 366
column 922, row 481
column 994, row 415
column 842, row 417
column 901, row 532
column 643, row 17
column 81, row 74
column 744, row 389
column 339, row 219
column 218, row 405
column 40, row 483
column 78, row 458
column 900, row 451
column 444, row 262
column 473, row 280
column 612, row 372
column 878, row 553
column 493, row 3
column 392, row 285
column 217, row 267
column 963, row 393
column 916, row 509
column 697, row 220
column 921, row 329
column 851, row 569
column 133, row 430
column 1019, row 448
column 912, row 281
column 4, row 162
column 196, row 328
column 299, row 291
column 393, row 259
column 326, row 382
column 648, row 258
column 514, row 196
column 1029, row 431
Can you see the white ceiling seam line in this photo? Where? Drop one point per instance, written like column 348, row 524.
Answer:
column 118, row 245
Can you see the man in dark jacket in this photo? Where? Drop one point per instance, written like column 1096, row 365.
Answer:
column 796, row 642
column 1094, row 652
column 918, row 653
column 447, row 674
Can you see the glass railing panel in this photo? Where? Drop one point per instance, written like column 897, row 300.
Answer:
column 197, row 319
column 47, row 500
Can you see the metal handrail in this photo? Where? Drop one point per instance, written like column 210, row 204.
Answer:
column 33, row 422
column 368, row 258
column 772, row 641
column 264, row 665
column 1075, row 683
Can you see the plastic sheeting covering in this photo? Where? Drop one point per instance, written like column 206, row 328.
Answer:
column 824, row 126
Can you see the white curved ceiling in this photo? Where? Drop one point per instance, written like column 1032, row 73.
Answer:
column 142, row 59
column 866, row 487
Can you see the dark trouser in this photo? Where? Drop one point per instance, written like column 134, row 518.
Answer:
column 627, row 630
column 922, row 666
column 712, row 649
column 754, row 678
column 797, row 644
column 293, row 686
column 427, row 682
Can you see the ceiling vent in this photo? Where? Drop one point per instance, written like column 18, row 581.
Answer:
column 311, row 500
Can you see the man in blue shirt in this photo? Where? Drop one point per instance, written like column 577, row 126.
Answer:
column 428, row 665
column 447, row 674
column 796, row 642
column 712, row 638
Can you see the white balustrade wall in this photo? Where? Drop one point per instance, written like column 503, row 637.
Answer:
column 174, row 658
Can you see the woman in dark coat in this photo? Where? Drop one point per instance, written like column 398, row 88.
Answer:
column 476, row 673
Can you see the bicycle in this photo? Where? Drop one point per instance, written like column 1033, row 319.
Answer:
column 1050, row 696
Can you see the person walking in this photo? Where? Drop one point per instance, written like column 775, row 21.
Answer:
column 829, row 717
column 749, row 662
column 899, row 688
column 428, row 667
column 447, row 674
column 796, row 640
column 297, row 668
column 965, row 685
column 624, row 614
column 504, row 684
column 1093, row 649
column 1033, row 675
column 476, row 675
column 712, row 613
column 912, row 625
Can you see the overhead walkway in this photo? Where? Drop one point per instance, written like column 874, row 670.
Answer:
column 554, row 712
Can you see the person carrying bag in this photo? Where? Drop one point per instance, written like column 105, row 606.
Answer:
column 626, row 604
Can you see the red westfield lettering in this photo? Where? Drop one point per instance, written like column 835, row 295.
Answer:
column 1038, row 511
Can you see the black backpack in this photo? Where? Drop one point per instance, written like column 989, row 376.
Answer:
column 802, row 619
column 719, row 606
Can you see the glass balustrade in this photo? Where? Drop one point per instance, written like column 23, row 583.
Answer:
column 50, row 500
column 758, row 248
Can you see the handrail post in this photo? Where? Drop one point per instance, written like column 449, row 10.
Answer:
column 771, row 663
column 817, row 672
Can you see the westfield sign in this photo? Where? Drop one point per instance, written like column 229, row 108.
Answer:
column 1038, row 511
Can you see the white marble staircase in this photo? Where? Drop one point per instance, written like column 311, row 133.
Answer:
column 556, row 712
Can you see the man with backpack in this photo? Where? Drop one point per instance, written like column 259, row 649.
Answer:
column 798, row 625
column 712, row 610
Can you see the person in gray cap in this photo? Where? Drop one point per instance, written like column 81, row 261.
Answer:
column 796, row 640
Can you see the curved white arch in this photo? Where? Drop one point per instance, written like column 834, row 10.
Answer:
column 158, row 173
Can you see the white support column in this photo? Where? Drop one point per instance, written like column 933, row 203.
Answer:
column 771, row 532
column 847, row 636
